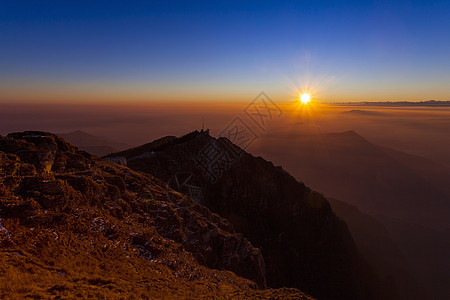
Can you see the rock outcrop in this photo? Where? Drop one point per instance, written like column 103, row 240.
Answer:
column 52, row 193
column 303, row 243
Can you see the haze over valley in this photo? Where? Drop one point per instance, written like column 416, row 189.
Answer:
column 225, row 150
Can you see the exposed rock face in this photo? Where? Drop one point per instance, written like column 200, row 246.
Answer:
column 47, row 184
column 303, row 243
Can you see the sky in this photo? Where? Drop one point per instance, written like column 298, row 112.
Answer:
column 223, row 51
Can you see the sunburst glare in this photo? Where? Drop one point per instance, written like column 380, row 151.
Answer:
column 305, row 98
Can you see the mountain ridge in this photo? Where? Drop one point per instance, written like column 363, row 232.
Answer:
column 268, row 205
column 74, row 225
column 93, row 144
column 407, row 194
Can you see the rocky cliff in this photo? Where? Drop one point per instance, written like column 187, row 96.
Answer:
column 74, row 225
column 303, row 243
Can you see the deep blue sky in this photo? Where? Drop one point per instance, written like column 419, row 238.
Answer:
column 223, row 50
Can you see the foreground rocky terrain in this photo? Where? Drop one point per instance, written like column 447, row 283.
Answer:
column 304, row 244
column 74, row 225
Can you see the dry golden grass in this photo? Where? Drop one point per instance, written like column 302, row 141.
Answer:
column 43, row 263
column 89, row 234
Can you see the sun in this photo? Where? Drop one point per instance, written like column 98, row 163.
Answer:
column 305, row 98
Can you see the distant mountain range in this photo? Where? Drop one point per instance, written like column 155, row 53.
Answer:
column 407, row 194
column 93, row 144
column 397, row 103
column 377, row 180
column 95, row 227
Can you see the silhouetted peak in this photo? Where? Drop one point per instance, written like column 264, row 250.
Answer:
column 349, row 135
column 79, row 133
column 289, row 221
column 48, row 184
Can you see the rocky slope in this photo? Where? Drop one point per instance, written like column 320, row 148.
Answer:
column 303, row 243
column 74, row 225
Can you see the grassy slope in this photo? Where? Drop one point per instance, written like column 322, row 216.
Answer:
column 90, row 233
